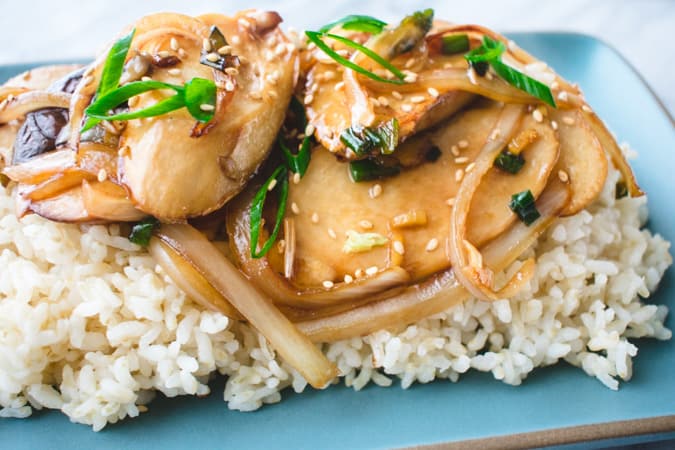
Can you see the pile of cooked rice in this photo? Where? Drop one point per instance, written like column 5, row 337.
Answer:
column 90, row 325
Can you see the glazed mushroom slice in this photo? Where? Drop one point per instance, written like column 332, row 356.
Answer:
column 170, row 172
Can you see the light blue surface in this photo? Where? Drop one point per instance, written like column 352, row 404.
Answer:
column 477, row 407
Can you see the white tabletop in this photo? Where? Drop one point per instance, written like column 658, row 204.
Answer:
column 641, row 30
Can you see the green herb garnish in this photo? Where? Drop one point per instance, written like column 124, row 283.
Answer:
column 142, row 231
column 523, row 205
column 509, row 162
column 112, row 72
column 454, row 43
column 299, row 162
column 490, row 53
column 197, row 95
column 281, row 177
column 368, row 170
column 363, row 140
column 317, row 38
column 353, row 22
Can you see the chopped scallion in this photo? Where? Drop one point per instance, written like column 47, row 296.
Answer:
column 523, row 205
column 366, row 24
column 367, row 170
column 142, row 231
column 509, row 162
column 281, row 176
column 364, row 140
column 454, row 43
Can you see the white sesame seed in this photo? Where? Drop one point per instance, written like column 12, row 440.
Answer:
column 432, row 245
column 433, row 92
column 383, row 100
column 332, row 234
column 399, row 248
column 206, row 45
column 454, row 150
column 229, row 86
column 206, row 107
column 461, row 160
column 296, row 178
column 450, row 201
column 375, row 191
column 563, row 176
column 554, row 124
column 235, row 40
column 272, row 184
column 397, row 95
column 372, row 270
column 489, row 76
column 295, row 208
column 182, row 53
column 309, row 129
column 463, row 143
column 102, row 175
column 406, row 107
column 213, row 57
column 459, row 174
column 568, row 120
column 339, row 85
column 348, row 278
column 244, row 23
column 586, row 108
column 174, row 72
column 374, row 101
column 365, row 224
column 174, row 44
column 410, row 77
column 555, row 85
column 409, row 63
column 562, row 96
column 328, row 75
column 328, row 284
column 315, row 217
column 146, row 78
column 225, row 50
column 417, row 98
column 309, row 99
column 358, row 273
column 163, row 54
column 537, row 115
column 470, row 167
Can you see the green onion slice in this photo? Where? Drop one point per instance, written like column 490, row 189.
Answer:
column 316, row 38
column 367, row 24
column 508, row 162
column 281, row 175
column 142, row 231
column 198, row 92
column 363, row 140
column 299, row 162
column 454, row 43
column 112, row 71
column 523, row 205
column 368, row 170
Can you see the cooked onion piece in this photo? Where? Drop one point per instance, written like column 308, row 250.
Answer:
column 31, row 101
column 109, row 201
column 40, row 78
column 291, row 344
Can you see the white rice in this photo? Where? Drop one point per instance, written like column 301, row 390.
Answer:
column 91, row 326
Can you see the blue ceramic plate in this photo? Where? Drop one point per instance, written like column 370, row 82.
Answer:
column 477, row 407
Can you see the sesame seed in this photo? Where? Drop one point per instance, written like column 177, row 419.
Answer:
column 409, row 63
column 232, row 71
column 296, row 178
column 537, row 115
column 174, row 44
column 174, row 72
column 146, row 78
column 309, row 129
column 272, row 184
column 315, row 217
column 454, row 150
column 102, row 175
column 555, row 85
column 348, row 278
column 459, row 174
column 554, row 124
column 450, row 202
column 295, row 208
column 563, row 176
column 339, row 85
column 235, row 40
column 397, row 95
column 206, row 45
column 586, row 108
column 365, row 224
column 182, row 53
column 410, row 77
column 244, row 23
column 225, row 50
column 332, row 234
column 489, row 76
column 417, row 98
column 432, row 245
column 206, row 107
column 213, row 57
column 562, row 96
column 375, row 191
column 328, row 284
column 461, row 160
column 358, row 273
column 470, row 167
column 406, row 107
column 399, row 248
column 229, row 86
column 328, row 75
column 463, row 143
column 309, row 99
column 372, row 270
column 163, row 54
column 383, row 100
column 568, row 120
column 374, row 101
column 433, row 92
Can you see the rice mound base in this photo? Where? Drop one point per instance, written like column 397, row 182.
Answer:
column 90, row 325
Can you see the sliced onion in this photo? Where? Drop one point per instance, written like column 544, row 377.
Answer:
column 610, row 146
column 67, row 207
column 441, row 291
column 466, row 261
column 32, row 101
column 42, row 167
column 109, row 201
column 291, row 344
column 58, row 183
column 189, row 279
